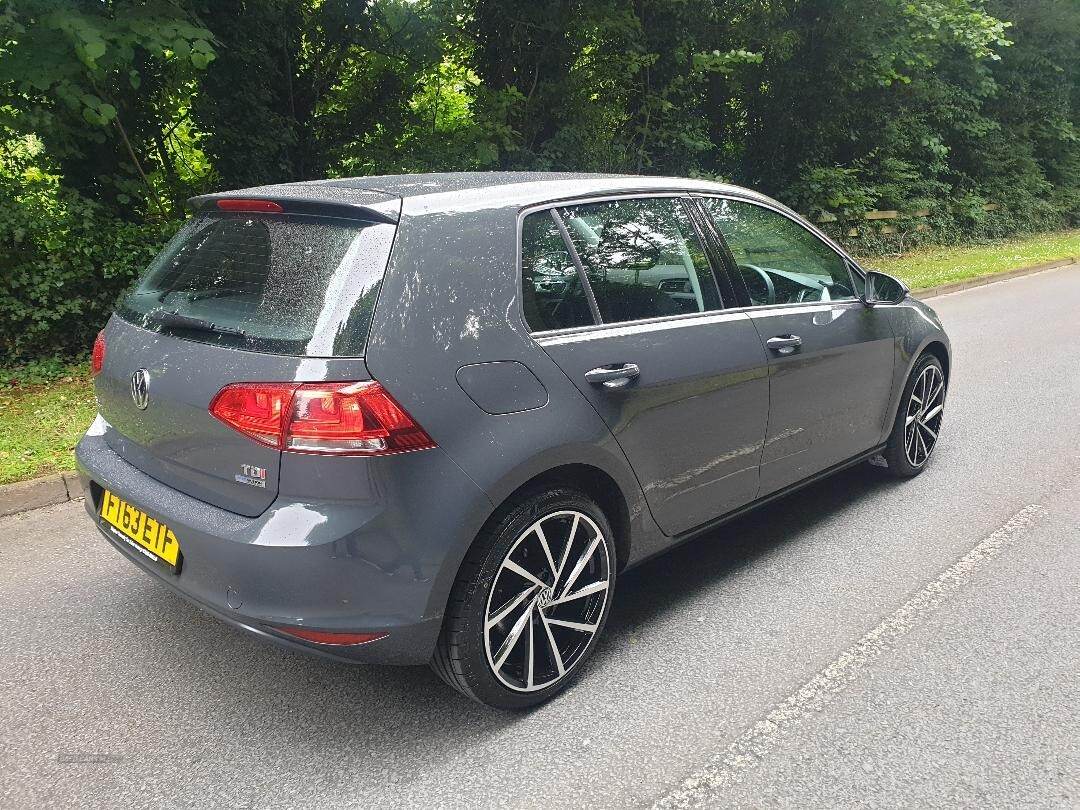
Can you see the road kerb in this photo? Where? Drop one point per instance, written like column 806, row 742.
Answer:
column 36, row 493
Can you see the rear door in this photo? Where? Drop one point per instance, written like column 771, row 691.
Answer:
column 238, row 297
column 633, row 316
column 830, row 356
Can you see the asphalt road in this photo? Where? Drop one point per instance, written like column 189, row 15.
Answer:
column 861, row 643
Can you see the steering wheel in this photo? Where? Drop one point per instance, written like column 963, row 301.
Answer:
column 821, row 294
column 770, row 288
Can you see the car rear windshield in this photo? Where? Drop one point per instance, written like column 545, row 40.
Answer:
column 298, row 285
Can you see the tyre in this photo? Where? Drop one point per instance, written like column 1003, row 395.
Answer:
column 530, row 601
column 918, row 419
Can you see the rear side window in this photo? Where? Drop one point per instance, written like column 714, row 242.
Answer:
column 302, row 286
column 642, row 258
column 552, row 295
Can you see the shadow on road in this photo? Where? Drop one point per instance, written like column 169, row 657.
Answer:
column 299, row 702
column 662, row 584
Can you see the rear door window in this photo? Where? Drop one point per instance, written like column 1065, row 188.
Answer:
column 642, row 258
column 301, row 286
column 552, row 294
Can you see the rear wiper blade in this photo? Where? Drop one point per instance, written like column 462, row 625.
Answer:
column 175, row 319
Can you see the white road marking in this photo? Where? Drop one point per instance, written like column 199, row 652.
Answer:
column 754, row 744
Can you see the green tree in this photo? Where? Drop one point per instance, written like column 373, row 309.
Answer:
column 834, row 78
column 97, row 82
column 1035, row 151
column 112, row 112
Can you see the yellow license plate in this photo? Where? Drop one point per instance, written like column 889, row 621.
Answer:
column 153, row 538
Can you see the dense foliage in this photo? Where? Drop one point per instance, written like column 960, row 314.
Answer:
column 113, row 112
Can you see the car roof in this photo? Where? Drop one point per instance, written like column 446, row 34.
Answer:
column 459, row 191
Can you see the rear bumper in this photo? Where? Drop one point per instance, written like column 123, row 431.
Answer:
column 366, row 564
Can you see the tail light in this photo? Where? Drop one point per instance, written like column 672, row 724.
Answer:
column 97, row 356
column 257, row 410
column 351, row 418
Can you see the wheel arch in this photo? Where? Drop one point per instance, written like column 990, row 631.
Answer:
column 940, row 351
column 908, row 356
column 591, row 468
column 594, row 482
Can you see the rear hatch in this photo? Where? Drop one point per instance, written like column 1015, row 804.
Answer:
column 245, row 295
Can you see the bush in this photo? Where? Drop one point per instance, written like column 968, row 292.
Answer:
column 45, row 371
column 961, row 220
column 63, row 262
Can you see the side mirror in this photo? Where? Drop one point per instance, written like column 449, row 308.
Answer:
column 882, row 288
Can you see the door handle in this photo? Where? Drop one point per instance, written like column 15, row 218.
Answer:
column 613, row 376
column 784, row 344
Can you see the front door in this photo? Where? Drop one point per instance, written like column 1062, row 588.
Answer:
column 681, row 384
column 830, row 357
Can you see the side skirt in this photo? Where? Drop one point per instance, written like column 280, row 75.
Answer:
column 705, row 528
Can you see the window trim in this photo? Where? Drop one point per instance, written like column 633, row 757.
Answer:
column 714, row 252
column 575, row 257
column 641, row 326
column 731, row 266
column 683, row 195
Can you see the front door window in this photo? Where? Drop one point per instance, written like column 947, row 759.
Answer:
column 780, row 261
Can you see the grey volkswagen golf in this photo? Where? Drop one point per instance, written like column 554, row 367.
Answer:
column 430, row 418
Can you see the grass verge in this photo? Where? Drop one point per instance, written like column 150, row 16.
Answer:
column 930, row 266
column 44, row 409
column 46, row 406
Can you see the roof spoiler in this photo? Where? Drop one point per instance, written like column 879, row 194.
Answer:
column 274, row 204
